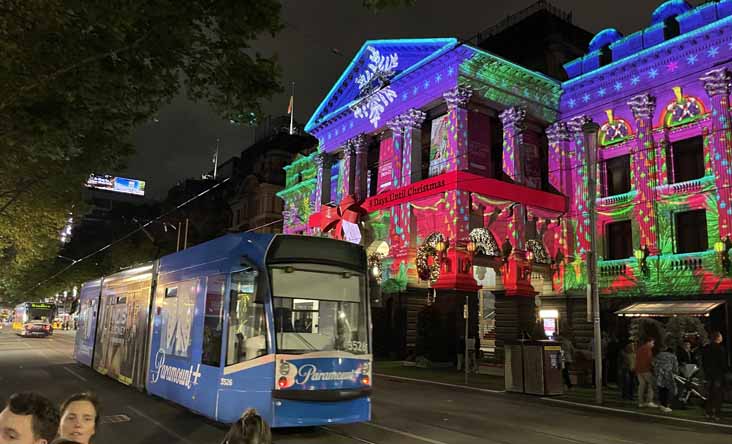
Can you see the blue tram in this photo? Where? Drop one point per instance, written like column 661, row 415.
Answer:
column 275, row 322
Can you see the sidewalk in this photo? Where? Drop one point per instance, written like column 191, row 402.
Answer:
column 578, row 396
column 611, row 399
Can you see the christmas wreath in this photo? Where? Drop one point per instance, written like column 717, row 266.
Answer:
column 428, row 262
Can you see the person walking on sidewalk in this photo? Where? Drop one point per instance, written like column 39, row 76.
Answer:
column 665, row 367
column 644, row 371
column 567, row 349
column 714, row 362
column 626, row 376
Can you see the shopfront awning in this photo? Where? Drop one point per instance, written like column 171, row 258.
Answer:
column 667, row 309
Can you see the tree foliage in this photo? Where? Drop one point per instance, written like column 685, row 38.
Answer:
column 378, row 5
column 76, row 76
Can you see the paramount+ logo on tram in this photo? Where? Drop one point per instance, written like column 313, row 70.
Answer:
column 184, row 377
column 308, row 375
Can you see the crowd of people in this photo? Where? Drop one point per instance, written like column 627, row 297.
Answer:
column 652, row 373
column 29, row 418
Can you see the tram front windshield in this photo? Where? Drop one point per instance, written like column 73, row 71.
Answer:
column 319, row 308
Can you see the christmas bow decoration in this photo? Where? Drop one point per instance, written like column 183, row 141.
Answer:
column 333, row 218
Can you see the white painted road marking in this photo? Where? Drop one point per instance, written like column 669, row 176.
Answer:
column 160, row 426
column 445, row 384
column 407, row 434
column 74, row 373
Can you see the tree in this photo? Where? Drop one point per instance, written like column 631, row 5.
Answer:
column 378, row 5
column 76, row 76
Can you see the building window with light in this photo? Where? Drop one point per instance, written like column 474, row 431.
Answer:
column 691, row 231
column 619, row 240
column 687, row 159
column 617, row 175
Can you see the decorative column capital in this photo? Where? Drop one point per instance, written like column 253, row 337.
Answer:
column 642, row 106
column 514, row 116
column 395, row 125
column 717, row 82
column 358, row 143
column 557, row 132
column 458, row 97
column 576, row 124
column 348, row 150
column 322, row 159
column 412, row 119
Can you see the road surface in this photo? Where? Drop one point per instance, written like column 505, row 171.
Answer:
column 404, row 412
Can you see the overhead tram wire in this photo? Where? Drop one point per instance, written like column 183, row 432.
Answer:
column 128, row 235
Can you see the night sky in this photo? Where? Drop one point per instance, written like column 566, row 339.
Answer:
column 320, row 38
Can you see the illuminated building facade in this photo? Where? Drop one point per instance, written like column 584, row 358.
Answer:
column 463, row 174
column 661, row 99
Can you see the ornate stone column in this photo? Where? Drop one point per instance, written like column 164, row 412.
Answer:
column 560, row 172
column 412, row 150
column 514, row 125
column 644, row 176
column 397, row 135
column 457, row 102
column 349, row 170
column 717, row 84
column 360, row 146
column 322, row 185
column 578, row 240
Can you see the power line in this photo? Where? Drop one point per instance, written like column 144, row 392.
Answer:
column 128, row 235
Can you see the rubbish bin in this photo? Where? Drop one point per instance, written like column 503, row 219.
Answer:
column 534, row 367
column 514, row 367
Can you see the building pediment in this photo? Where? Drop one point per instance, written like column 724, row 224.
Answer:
column 370, row 73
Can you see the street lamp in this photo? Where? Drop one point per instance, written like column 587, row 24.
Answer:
column 590, row 131
column 722, row 248
column 642, row 255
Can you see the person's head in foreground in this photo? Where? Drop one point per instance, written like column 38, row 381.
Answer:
column 28, row 418
column 249, row 429
column 79, row 417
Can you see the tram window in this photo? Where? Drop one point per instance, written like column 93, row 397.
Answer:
column 177, row 318
column 247, row 326
column 213, row 321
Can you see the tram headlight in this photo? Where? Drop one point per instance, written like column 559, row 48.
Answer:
column 365, row 368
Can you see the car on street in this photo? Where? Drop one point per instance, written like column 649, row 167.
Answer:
column 36, row 328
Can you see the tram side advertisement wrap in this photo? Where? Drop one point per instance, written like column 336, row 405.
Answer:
column 299, row 372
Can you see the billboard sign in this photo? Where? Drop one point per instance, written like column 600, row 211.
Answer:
column 116, row 184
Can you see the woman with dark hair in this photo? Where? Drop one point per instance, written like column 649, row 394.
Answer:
column 249, row 429
column 79, row 417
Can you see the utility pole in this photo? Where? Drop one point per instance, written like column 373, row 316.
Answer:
column 467, row 330
column 590, row 130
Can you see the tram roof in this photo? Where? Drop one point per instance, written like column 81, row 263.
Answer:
column 231, row 246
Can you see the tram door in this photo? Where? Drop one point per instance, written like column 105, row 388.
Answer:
column 247, row 376
column 176, row 371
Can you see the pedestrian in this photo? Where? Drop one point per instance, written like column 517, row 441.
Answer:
column 28, row 418
column 626, row 367
column 461, row 353
column 684, row 354
column 567, row 350
column 665, row 368
column 79, row 417
column 249, row 429
column 714, row 363
column 644, row 373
